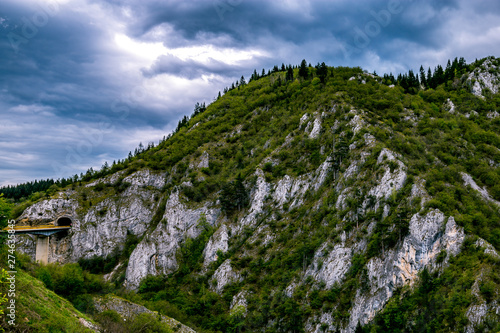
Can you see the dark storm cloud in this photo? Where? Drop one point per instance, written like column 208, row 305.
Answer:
column 86, row 64
column 190, row 69
column 264, row 22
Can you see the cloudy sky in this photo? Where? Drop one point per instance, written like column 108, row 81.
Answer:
column 84, row 81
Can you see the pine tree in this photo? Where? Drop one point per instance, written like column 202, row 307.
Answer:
column 448, row 73
column 358, row 329
column 322, row 72
column 289, row 73
column 234, row 196
column 423, row 80
column 255, row 75
column 303, row 70
column 439, row 76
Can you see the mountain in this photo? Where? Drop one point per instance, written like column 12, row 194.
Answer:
column 312, row 199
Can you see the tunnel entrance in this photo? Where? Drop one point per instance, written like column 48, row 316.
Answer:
column 64, row 221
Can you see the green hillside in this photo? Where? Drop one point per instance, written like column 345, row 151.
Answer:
column 351, row 202
column 41, row 310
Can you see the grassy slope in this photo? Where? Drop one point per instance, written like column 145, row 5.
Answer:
column 41, row 310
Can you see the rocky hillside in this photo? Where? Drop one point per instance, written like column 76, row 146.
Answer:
column 316, row 204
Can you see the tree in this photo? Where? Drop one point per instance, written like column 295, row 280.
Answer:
column 289, row 74
column 255, row 75
column 322, row 72
column 242, row 81
column 303, row 70
column 234, row 196
column 359, row 329
column 429, row 78
column 423, row 80
column 5, row 209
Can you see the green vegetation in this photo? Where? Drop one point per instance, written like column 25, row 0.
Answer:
column 41, row 310
column 262, row 124
column 5, row 209
column 234, row 196
column 111, row 321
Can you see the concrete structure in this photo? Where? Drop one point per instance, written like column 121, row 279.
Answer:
column 43, row 233
column 42, row 249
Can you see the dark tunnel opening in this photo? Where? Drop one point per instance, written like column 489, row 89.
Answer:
column 64, row 221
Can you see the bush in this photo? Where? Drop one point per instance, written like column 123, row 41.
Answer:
column 111, row 321
column 84, row 303
column 487, row 289
column 44, row 275
column 151, row 283
column 69, row 281
column 147, row 323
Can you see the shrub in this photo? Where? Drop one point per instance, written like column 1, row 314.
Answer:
column 148, row 323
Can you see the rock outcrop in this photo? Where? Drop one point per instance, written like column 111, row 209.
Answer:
column 155, row 254
column 99, row 227
column 128, row 311
column 224, row 275
column 483, row 77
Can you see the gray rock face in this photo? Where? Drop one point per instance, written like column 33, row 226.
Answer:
column 155, row 254
column 204, row 161
column 303, row 119
column 145, row 178
column 351, row 171
column 357, row 123
column 392, row 180
column 418, row 191
column 223, row 276
column 281, row 192
column 291, row 190
column 331, row 267
column 482, row 78
column 258, row 196
column 26, row 244
column 400, row 266
column 102, row 228
column 492, row 114
column 316, row 128
column 218, row 241
column 449, row 106
column 47, row 211
column 98, row 235
column 469, row 181
column 239, row 302
column 369, row 139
